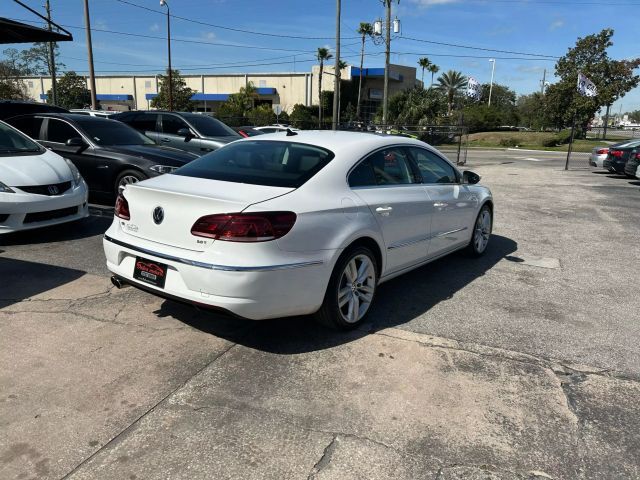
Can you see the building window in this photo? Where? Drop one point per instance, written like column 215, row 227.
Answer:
column 30, row 84
column 262, row 83
column 147, row 84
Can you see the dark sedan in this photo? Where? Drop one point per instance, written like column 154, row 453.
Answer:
column 633, row 162
column 618, row 156
column 109, row 154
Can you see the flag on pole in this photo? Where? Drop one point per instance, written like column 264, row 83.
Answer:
column 473, row 89
column 586, row 87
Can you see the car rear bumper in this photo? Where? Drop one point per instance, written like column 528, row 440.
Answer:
column 20, row 211
column 256, row 292
column 597, row 160
column 631, row 167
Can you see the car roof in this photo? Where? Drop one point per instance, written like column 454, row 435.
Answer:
column 74, row 117
column 338, row 140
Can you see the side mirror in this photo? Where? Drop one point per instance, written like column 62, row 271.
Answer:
column 76, row 142
column 469, row 177
column 186, row 133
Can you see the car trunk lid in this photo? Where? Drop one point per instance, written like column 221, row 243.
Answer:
column 182, row 201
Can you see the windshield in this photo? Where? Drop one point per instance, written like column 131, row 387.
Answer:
column 210, row 127
column 12, row 141
column 112, row 132
column 274, row 164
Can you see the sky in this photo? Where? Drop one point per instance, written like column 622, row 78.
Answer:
column 282, row 35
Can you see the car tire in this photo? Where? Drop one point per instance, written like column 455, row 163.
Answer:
column 348, row 300
column 128, row 177
column 481, row 234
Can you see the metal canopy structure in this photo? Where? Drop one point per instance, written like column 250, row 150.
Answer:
column 16, row 32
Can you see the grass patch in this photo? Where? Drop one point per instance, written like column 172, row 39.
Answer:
column 529, row 140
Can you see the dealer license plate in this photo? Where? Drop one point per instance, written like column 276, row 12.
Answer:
column 150, row 272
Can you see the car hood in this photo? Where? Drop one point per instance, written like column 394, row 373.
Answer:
column 156, row 153
column 30, row 170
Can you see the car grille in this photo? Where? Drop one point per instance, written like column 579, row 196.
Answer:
column 3, row 217
column 54, row 189
column 50, row 215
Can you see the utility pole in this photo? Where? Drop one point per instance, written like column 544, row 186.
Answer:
column 544, row 79
column 163, row 3
column 493, row 68
column 92, row 77
column 336, row 78
column 52, row 58
column 387, row 52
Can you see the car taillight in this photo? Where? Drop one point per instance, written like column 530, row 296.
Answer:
column 638, row 155
column 122, row 208
column 244, row 227
column 616, row 153
column 602, row 151
column 243, row 133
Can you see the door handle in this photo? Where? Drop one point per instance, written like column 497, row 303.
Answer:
column 440, row 204
column 384, row 211
column 166, row 140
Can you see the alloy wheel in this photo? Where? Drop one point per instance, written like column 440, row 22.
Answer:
column 356, row 288
column 482, row 231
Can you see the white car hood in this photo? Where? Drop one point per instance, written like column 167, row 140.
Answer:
column 30, row 170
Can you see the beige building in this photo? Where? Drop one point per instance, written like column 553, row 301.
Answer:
column 126, row 92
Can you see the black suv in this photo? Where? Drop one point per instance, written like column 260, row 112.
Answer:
column 193, row 132
column 109, row 154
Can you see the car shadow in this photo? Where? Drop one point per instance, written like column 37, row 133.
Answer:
column 22, row 279
column 635, row 183
column 83, row 228
column 397, row 302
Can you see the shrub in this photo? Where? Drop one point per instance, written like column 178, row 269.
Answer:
column 509, row 142
column 560, row 138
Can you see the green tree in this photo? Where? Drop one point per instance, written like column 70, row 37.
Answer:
column 433, row 69
column 423, row 63
column 302, row 116
column 451, row 84
column 236, row 109
column 416, row 106
column 261, row 115
column 72, row 91
column 365, row 30
column 531, row 110
column 634, row 116
column 11, row 85
column 613, row 79
column 322, row 55
column 181, row 93
column 34, row 60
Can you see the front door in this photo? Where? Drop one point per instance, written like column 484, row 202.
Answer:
column 387, row 182
column 170, row 138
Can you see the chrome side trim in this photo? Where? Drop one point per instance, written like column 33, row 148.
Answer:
column 406, row 244
column 211, row 266
column 444, row 234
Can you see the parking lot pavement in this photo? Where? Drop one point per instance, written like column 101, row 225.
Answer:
column 523, row 364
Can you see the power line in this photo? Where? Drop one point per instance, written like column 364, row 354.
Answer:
column 232, row 29
column 471, row 56
column 471, row 47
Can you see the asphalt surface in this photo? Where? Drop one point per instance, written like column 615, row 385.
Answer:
column 521, row 364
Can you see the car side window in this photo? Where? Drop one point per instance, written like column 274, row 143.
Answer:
column 433, row 168
column 30, row 126
column 145, row 122
column 389, row 166
column 171, row 124
column 59, row 131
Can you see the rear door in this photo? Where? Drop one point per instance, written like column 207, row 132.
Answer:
column 146, row 123
column 169, row 136
column 453, row 204
column 387, row 182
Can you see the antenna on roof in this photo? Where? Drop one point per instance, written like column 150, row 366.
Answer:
column 290, row 133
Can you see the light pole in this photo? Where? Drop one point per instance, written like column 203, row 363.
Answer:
column 163, row 3
column 336, row 80
column 493, row 68
column 92, row 77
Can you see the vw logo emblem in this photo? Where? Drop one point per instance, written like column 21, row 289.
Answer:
column 158, row 215
column 53, row 190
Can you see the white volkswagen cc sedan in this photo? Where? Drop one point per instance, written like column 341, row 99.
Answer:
column 296, row 223
column 38, row 188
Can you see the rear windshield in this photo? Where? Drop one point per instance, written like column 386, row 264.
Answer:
column 210, row 127
column 112, row 132
column 274, row 164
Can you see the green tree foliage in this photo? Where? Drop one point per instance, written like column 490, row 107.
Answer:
column 72, row 91
column 634, row 116
column 503, row 110
column 303, row 117
column 451, row 84
column 11, row 86
column 365, row 30
column 433, row 69
column 423, row 63
column 531, row 110
column 181, row 93
column 261, row 115
column 416, row 106
column 34, row 60
column 613, row 79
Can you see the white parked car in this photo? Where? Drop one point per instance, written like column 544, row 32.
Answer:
column 598, row 155
column 93, row 113
column 37, row 187
column 276, row 128
column 281, row 225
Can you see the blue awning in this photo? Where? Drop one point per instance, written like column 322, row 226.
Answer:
column 266, row 91
column 376, row 72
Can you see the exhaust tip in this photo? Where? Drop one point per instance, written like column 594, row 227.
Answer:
column 117, row 282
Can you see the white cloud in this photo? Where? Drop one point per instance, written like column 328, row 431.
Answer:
column 208, row 35
column 155, row 27
column 556, row 24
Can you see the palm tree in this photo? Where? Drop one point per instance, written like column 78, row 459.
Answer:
column 322, row 55
column 451, row 83
column 433, row 68
column 424, row 63
column 365, row 30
